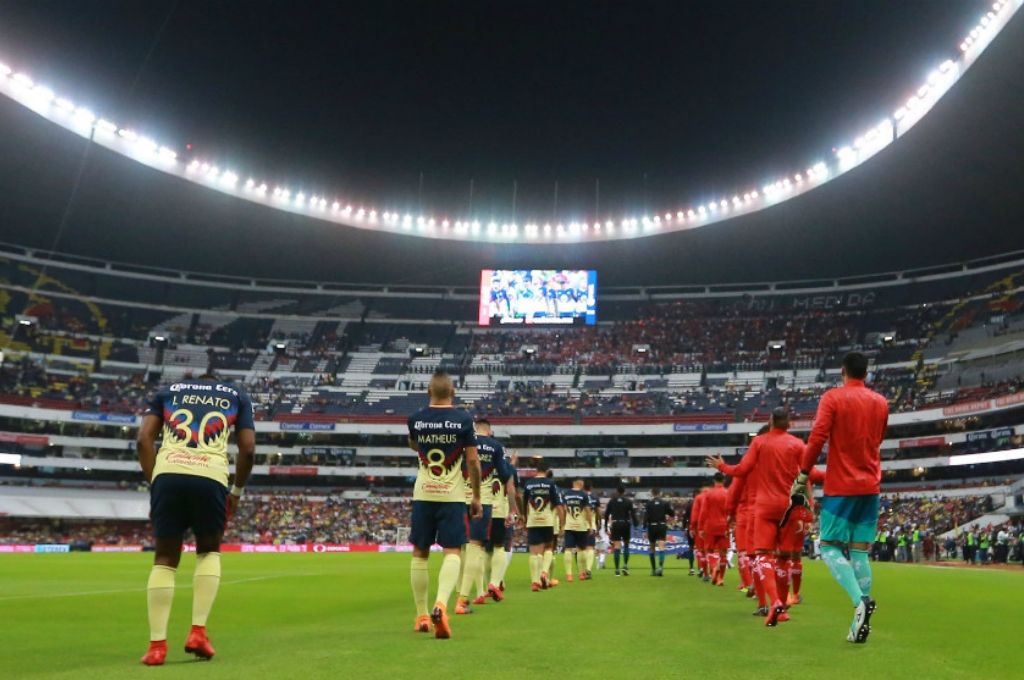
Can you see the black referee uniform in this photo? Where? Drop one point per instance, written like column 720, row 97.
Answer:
column 619, row 517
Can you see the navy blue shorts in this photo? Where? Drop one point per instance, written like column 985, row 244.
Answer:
column 180, row 502
column 592, row 539
column 539, row 535
column 480, row 529
column 575, row 539
column 498, row 531
column 446, row 524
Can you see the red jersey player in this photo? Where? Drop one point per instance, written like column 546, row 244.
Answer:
column 770, row 461
column 714, row 526
column 853, row 420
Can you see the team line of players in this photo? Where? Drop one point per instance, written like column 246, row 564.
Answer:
column 465, row 499
column 463, row 475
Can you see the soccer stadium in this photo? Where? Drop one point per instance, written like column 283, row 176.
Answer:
column 393, row 379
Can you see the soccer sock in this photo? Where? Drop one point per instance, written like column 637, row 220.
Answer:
column 589, row 559
column 796, row 571
column 625, row 555
column 652, row 558
column 618, row 558
column 842, row 572
column 766, row 572
column 861, row 569
column 462, row 564
column 712, row 567
column 473, row 564
column 722, row 565
column 549, row 557
column 744, row 563
column 567, row 556
column 448, row 577
column 420, row 579
column 782, row 578
column 661, row 558
column 205, row 582
column 159, row 596
column 536, row 561
column 690, row 558
column 755, row 575
column 485, row 573
column 498, row 565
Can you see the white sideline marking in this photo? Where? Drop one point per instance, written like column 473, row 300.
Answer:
column 187, row 586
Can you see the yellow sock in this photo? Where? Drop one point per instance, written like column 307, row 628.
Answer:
column 568, row 563
column 483, row 574
column 498, row 564
column 448, row 577
column 588, row 559
column 471, row 567
column 420, row 579
column 205, row 582
column 536, row 562
column 549, row 557
column 159, row 596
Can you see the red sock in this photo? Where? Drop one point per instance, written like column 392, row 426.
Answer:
column 782, row 578
column 767, row 574
column 745, row 575
column 796, row 570
column 758, row 582
column 712, row 570
column 722, row 564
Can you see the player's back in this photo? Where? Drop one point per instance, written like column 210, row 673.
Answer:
column 198, row 417
column 491, row 454
column 576, row 503
column 859, row 419
column 620, row 509
column 441, row 435
column 778, row 464
column 714, row 511
column 540, row 495
column 657, row 511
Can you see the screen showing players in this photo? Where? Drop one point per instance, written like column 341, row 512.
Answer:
column 538, row 296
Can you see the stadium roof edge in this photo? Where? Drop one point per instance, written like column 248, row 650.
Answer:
column 654, row 292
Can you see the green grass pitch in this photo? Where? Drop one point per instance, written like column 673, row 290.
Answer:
column 350, row 616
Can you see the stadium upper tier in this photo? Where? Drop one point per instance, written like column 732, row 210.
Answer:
column 99, row 336
column 101, row 128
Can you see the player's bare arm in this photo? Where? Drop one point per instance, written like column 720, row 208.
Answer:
column 473, row 465
column 246, row 440
column 146, row 444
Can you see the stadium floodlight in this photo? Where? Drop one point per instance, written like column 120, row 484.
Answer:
column 22, row 88
column 84, row 116
column 43, row 94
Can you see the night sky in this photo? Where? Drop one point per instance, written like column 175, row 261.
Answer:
column 665, row 102
column 669, row 104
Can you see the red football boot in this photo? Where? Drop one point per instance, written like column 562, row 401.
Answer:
column 156, row 654
column 496, row 593
column 198, row 644
column 480, row 599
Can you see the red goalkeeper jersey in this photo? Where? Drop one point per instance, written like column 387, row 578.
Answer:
column 853, row 420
